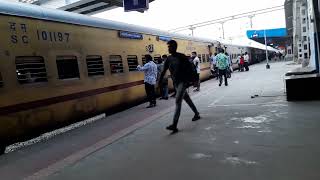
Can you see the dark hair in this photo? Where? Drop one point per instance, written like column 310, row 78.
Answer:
column 222, row 50
column 148, row 57
column 194, row 52
column 173, row 43
column 215, row 53
column 164, row 56
column 227, row 54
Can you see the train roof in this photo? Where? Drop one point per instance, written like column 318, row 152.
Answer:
column 37, row 12
column 245, row 42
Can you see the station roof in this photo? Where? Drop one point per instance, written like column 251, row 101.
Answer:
column 88, row 7
column 277, row 38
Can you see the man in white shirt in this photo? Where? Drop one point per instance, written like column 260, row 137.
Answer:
column 246, row 61
column 150, row 79
column 196, row 63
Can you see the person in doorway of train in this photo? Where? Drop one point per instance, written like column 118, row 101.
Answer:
column 246, row 61
column 164, row 84
column 150, row 79
column 223, row 65
column 180, row 69
column 196, row 63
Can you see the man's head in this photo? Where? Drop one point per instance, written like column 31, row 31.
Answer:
column 164, row 57
column 194, row 54
column 221, row 50
column 245, row 53
column 172, row 46
column 215, row 54
column 148, row 58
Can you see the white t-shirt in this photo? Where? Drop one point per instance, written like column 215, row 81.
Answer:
column 195, row 61
column 246, row 58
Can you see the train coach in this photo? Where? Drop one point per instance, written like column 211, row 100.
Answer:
column 59, row 67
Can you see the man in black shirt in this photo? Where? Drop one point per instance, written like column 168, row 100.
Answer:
column 176, row 63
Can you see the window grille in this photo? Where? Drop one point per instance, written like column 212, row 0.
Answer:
column 30, row 69
column 116, row 64
column 132, row 62
column 95, row 65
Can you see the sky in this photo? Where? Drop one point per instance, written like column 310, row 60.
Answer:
column 170, row 14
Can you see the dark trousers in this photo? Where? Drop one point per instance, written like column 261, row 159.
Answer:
column 182, row 94
column 151, row 94
column 197, row 82
column 224, row 74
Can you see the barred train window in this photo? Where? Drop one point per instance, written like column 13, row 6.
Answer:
column 67, row 67
column 143, row 60
column 95, row 65
column 1, row 81
column 116, row 65
column 132, row 62
column 199, row 56
column 30, row 69
column 156, row 58
column 203, row 58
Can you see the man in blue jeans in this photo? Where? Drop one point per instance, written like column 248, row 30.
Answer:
column 176, row 64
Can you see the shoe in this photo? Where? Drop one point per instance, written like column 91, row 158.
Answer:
column 161, row 98
column 226, row 84
column 151, row 106
column 195, row 90
column 196, row 117
column 172, row 128
column 219, row 84
column 166, row 98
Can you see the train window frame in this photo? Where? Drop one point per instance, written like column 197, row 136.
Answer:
column 1, row 80
column 95, row 68
column 143, row 60
column 156, row 58
column 33, row 66
column 112, row 61
column 132, row 58
column 64, row 64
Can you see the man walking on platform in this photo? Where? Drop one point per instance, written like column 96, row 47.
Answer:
column 180, row 69
column 222, row 63
column 150, row 79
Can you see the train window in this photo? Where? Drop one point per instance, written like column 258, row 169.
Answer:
column 132, row 62
column 95, row 65
column 305, row 46
column 208, row 57
column 204, row 58
column 67, row 67
column 30, row 69
column 200, row 59
column 156, row 58
column 1, row 81
column 143, row 60
column 116, row 65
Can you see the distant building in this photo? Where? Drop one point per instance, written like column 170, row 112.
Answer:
column 298, row 26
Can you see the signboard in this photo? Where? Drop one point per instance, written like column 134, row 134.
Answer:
column 163, row 38
column 135, row 5
column 130, row 35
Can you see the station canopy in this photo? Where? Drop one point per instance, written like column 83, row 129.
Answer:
column 276, row 38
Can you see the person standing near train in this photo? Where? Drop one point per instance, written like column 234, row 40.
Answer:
column 246, row 61
column 223, row 65
column 180, row 69
column 163, row 86
column 196, row 63
column 150, row 79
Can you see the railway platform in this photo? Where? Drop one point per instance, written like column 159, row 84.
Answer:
column 248, row 131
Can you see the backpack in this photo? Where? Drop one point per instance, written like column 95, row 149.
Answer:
column 190, row 70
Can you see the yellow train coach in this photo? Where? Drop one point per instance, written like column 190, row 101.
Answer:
column 58, row 67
